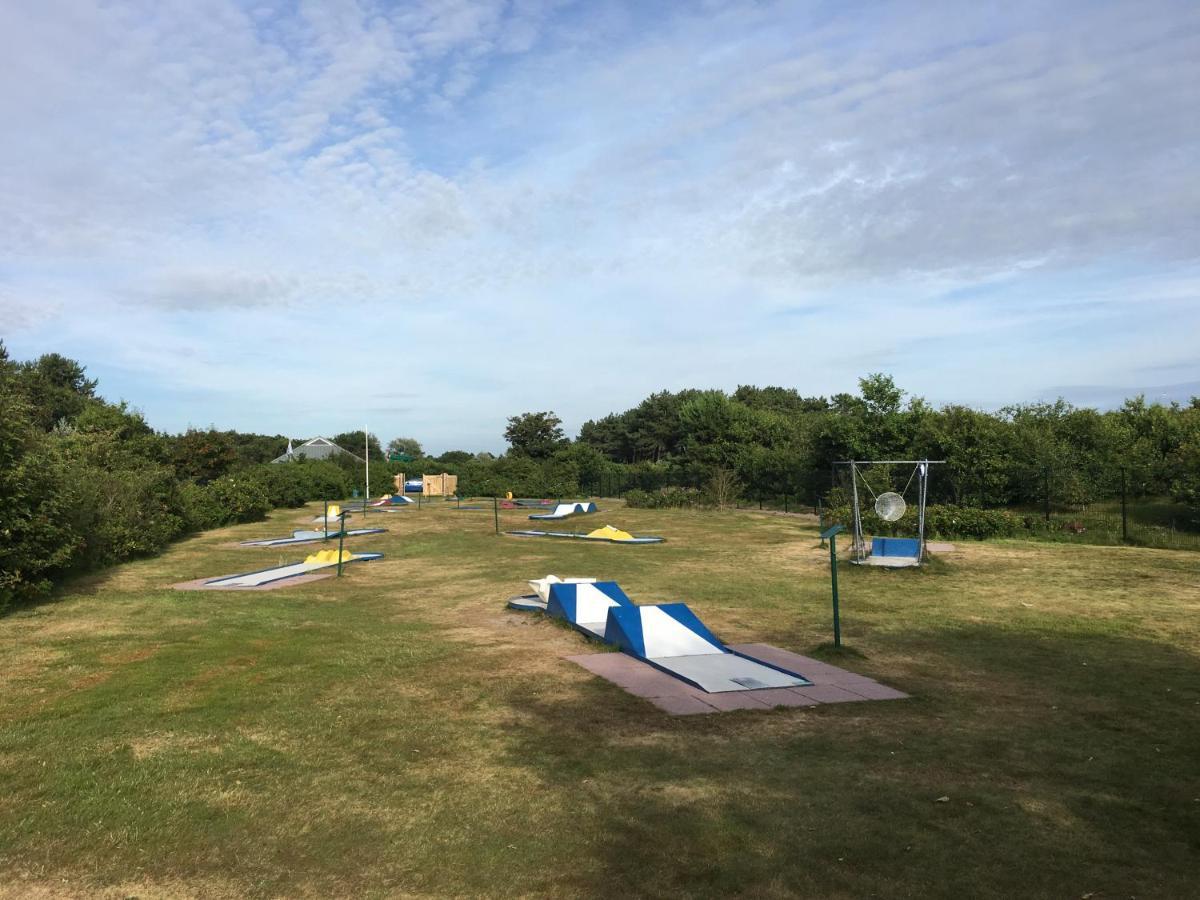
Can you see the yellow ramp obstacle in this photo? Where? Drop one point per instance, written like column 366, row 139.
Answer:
column 608, row 533
column 328, row 558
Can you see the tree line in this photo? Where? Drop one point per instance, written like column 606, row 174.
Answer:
column 85, row 483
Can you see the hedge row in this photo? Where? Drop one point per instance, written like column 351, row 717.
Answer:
column 666, row 498
column 76, row 502
column 942, row 521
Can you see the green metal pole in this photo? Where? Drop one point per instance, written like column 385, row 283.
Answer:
column 326, row 518
column 1124, row 512
column 837, row 616
column 341, row 540
column 496, row 512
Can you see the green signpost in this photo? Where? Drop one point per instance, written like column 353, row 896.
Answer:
column 341, row 541
column 831, row 534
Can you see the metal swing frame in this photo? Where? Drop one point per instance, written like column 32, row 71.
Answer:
column 858, row 546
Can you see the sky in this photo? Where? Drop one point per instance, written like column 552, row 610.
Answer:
column 425, row 217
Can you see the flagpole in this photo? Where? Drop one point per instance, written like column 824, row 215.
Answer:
column 367, row 460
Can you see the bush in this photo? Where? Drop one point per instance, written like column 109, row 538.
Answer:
column 666, row 498
column 235, row 498
column 125, row 513
column 941, row 521
column 968, row 522
column 37, row 541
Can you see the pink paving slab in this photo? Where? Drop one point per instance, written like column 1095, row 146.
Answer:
column 830, row 684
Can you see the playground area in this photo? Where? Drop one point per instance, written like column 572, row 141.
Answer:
column 399, row 730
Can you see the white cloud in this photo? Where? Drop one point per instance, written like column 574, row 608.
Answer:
column 720, row 194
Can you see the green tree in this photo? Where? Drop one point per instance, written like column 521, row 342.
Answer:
column 535, row 434
column 352, row 442
column 406, row 446
column 57, row 388
column 204, row 455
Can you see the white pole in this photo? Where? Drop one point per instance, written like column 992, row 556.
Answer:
column 367, row 461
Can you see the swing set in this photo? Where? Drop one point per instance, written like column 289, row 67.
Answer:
column 890, row 506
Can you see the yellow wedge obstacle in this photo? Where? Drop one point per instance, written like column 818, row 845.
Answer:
column 609, row 533
column 328, row 557
column 334, row 511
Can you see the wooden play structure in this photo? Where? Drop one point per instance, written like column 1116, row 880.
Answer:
column 444, row 485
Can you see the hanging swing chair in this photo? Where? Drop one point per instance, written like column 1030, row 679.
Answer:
column 890, row 506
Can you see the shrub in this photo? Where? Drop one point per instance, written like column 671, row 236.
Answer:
column 943, row 520
column 37, row 540
column 666, row 498
column 235, row 498
column 125, row 513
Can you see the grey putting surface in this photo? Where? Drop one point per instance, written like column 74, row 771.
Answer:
column 308, row 536
column 203, row 584
column 830, row 684
column 720, row 672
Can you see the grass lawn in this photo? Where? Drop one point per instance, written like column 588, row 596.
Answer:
column 399, row 732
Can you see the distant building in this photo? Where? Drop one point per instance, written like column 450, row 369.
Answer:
column 317, row 448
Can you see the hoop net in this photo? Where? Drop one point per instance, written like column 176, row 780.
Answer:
column 890, row 506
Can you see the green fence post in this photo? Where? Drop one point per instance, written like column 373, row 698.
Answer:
column 341, row 541
column 832, row 534
column 496, row 512
column 837, row 615
column 1124, row 513
column 326, row 518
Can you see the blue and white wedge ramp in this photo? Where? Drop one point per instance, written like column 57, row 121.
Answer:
column 672, row 638
column 586, row 606
column 563, row 510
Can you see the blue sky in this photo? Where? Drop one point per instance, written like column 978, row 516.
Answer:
column 429, row 216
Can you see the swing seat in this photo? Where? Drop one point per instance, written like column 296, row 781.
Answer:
column 892, row 553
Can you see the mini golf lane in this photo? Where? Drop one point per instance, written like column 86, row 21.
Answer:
column 564, row 510
column 306, row 536
column 264, row 579
column 586, row 537
column 827, row 683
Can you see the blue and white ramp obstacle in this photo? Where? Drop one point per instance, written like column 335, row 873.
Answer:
column 537, row 601
column 586, row 606
column 322, row 560
column 305, row 537
column 668, row 636
column 672, row 638
column 563, row 510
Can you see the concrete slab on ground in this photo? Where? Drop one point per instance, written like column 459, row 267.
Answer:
column 830, row 684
